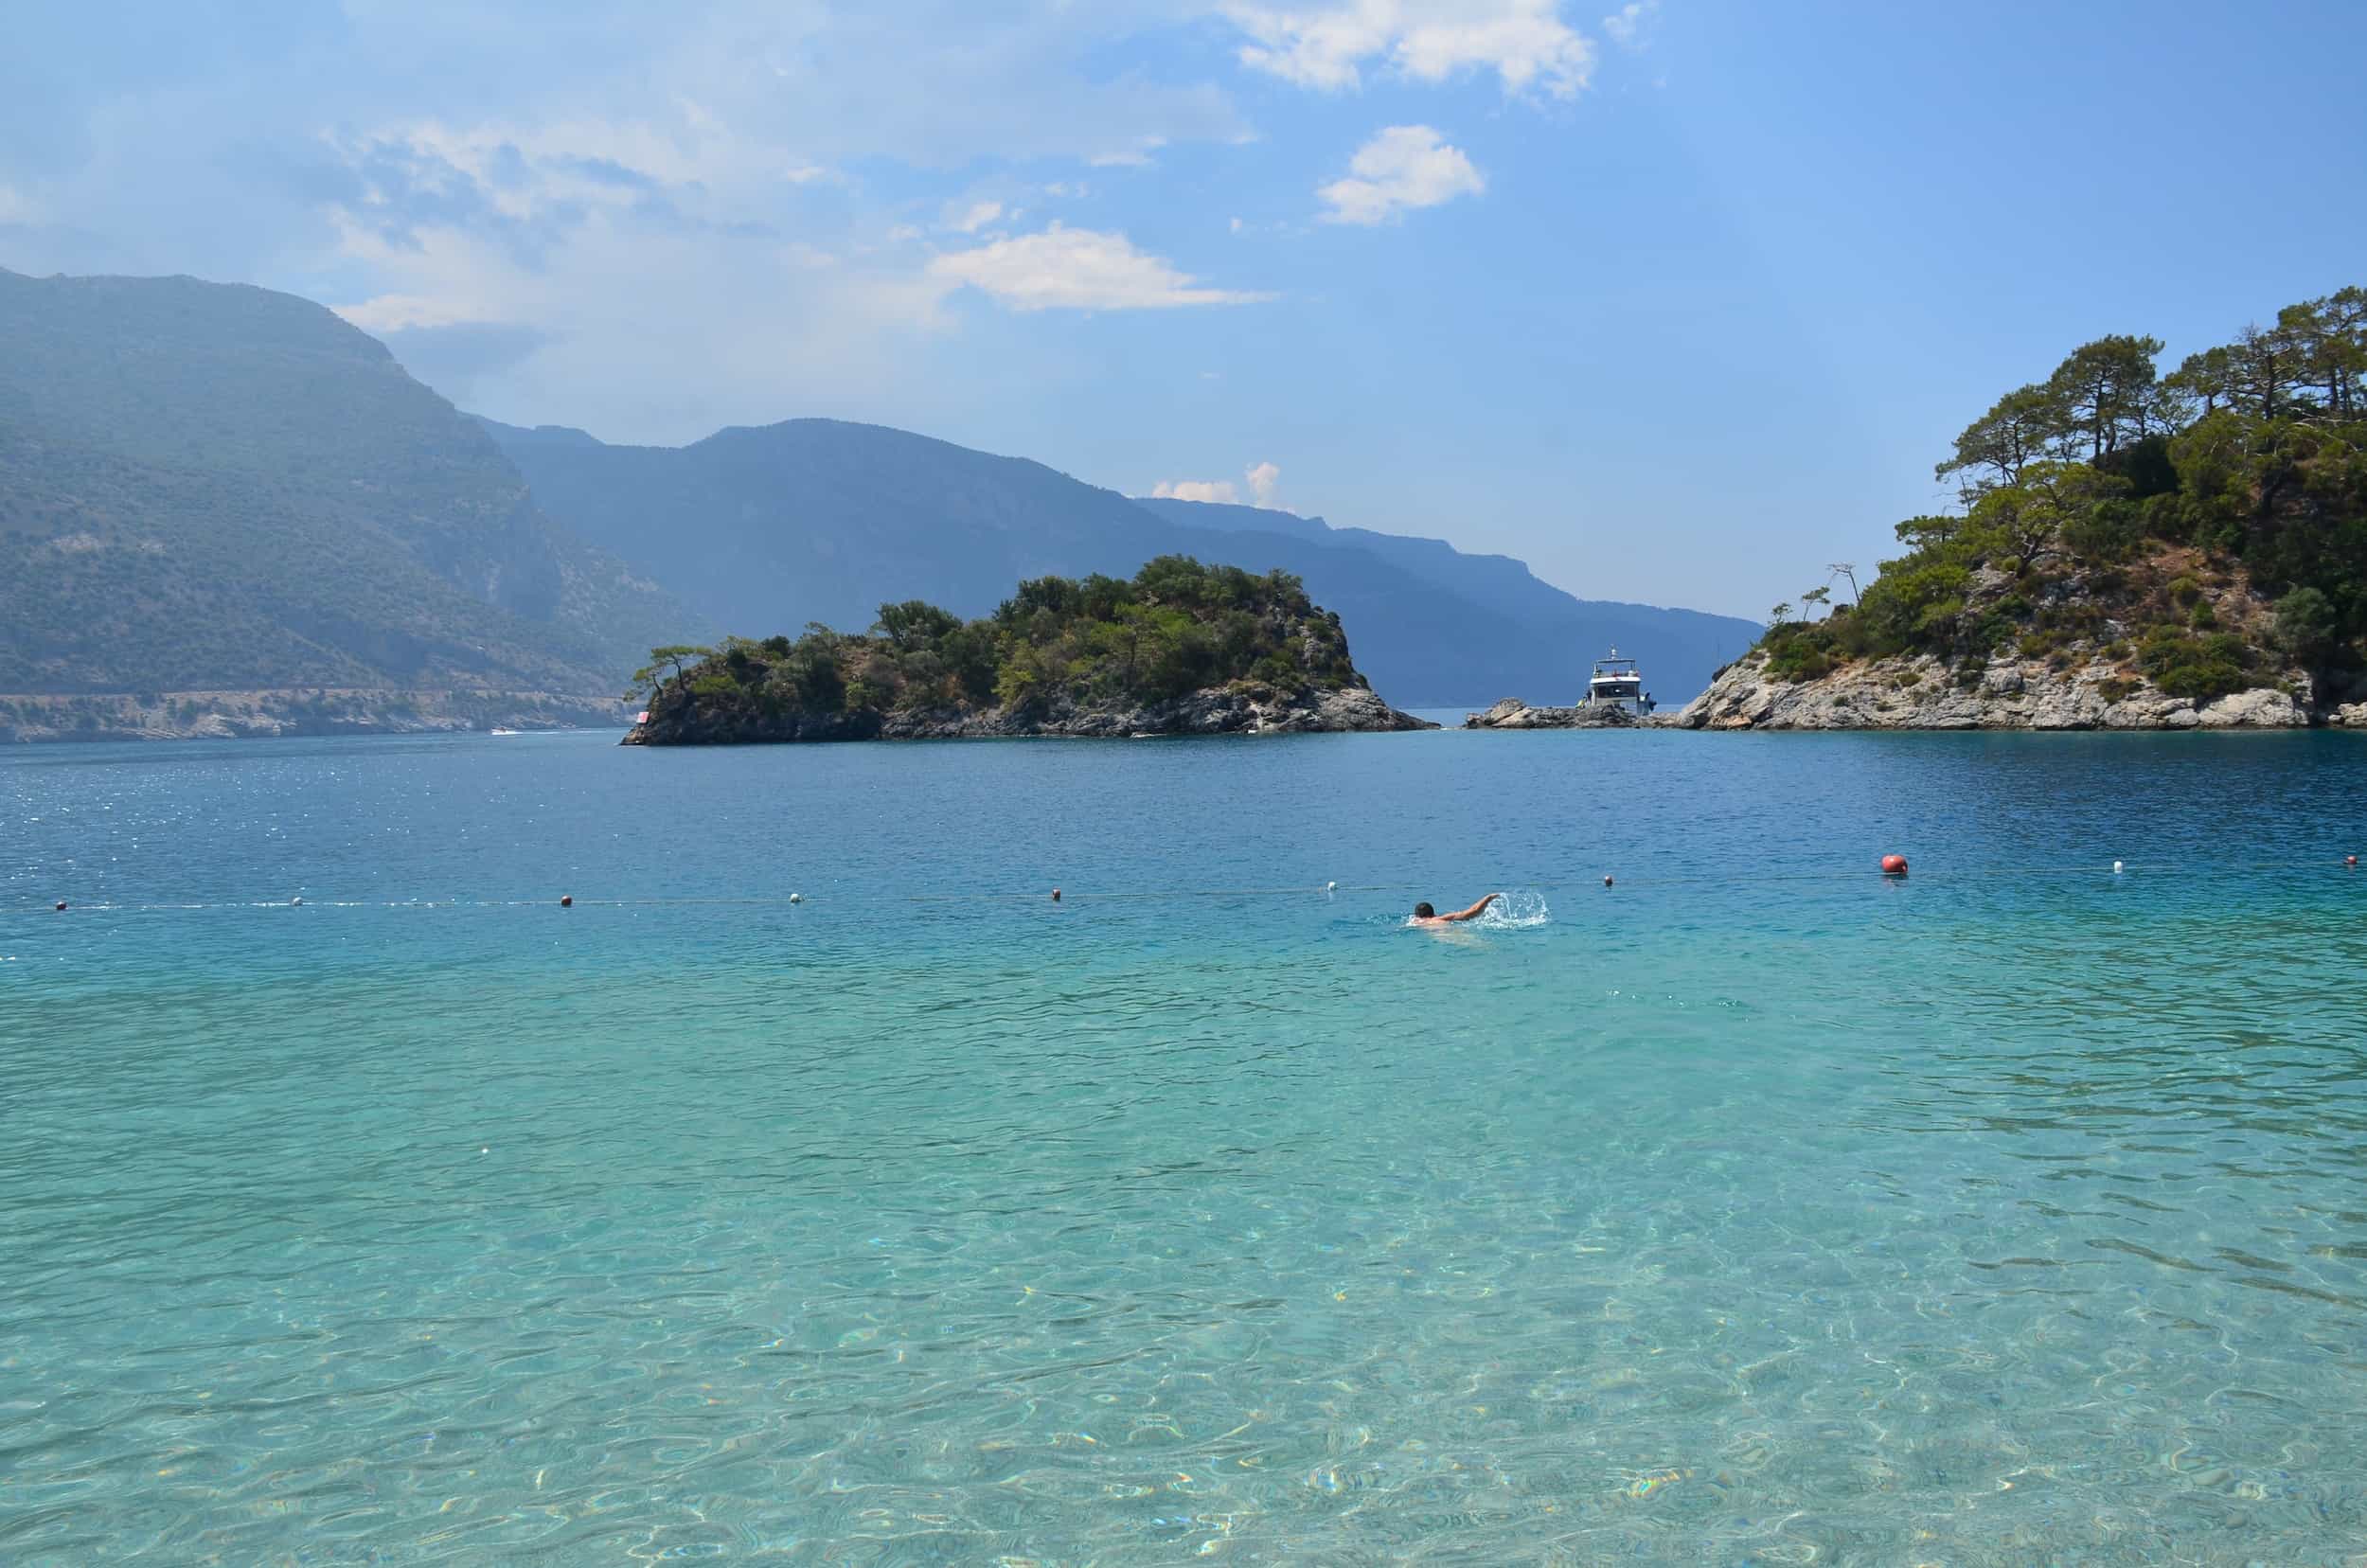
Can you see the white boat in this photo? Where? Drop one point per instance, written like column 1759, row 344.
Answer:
column 1617, row 684
column 498, row 730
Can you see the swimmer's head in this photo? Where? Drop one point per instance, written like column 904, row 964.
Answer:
column 1424, row 911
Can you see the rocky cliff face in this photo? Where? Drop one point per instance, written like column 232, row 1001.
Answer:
column 1219, row 710
column 2009, row 692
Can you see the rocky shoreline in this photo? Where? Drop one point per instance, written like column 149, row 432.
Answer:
column 304, row 711
column 1514, row 714
column 2007, row 693
column 1216, row 710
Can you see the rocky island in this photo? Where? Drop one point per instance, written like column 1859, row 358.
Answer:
column 1181, row 649
column 2134, row 551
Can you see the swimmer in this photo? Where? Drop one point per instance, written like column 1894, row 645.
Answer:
column 1425, row 916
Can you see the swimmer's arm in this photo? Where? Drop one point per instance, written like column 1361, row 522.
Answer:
column 1475, row 911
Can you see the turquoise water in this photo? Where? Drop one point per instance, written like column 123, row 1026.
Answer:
column 1753, row 1210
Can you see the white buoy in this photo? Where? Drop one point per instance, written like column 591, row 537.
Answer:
column 2116, row 868
column 1331, row 888
column 796, row 898
column 298, row 901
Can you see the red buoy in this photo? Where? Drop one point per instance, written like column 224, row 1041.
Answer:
column 1056, row 895
column 1893, row 866
column 2351, row 860
column 566, row 900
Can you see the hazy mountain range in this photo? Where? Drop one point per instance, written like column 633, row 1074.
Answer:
column 209, row 487
column 817, row 520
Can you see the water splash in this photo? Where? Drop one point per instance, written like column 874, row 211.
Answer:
column 1512, row 911
column 1517, row 910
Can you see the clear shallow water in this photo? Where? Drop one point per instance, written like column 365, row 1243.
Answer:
column 1753, row 1210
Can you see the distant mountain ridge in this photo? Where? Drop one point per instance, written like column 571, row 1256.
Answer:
column 765, row 528
column 210, row 488
column 207, row 486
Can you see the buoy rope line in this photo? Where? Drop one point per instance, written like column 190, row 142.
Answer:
column 1123, row 895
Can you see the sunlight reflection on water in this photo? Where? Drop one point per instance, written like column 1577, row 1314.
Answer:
column 1710, row 1217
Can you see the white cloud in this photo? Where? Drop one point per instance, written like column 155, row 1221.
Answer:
column 1263, row 478
column 395, row 312
column 1626, row 26
column 603, row 349
column 1524, row 42
column 16, row 207
column 1402, row 168
column 1077, row 269
column 1237, row 225
column 1197, row 490
column 970, row 218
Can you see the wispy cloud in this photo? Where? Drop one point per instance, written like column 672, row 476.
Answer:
column 1526, row 42
column 1403, row 168
column 529, row 185
column 971, row 217
column 1077, row 269
column 1136, row 155
column 1627, row 25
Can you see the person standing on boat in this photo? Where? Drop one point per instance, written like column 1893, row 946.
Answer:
column 1425, row 916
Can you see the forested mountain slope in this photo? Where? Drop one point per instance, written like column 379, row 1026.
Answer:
column 213, row 486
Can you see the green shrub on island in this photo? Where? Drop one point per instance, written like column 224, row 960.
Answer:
column 2203, row 667
column 2217, row 514
column 1176, row 627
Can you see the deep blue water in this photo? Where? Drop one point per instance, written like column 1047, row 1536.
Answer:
column 1754, row 1209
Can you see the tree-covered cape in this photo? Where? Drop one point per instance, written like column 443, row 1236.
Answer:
column 2205, row 528
column 1178, row 627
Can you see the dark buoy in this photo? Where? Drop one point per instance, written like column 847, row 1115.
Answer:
column 1606, row 882
column 61, row 906
column 1056, row 895
column 566, row 900
column 1893, row 866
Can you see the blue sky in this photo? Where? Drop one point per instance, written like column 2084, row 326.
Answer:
column 1677, row 301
